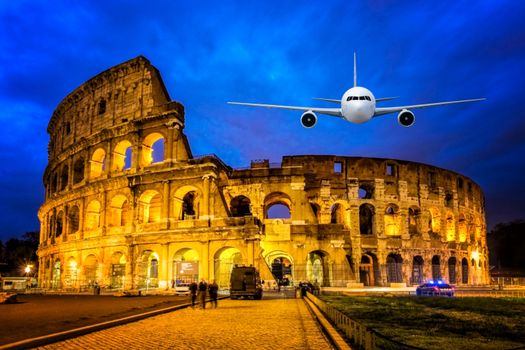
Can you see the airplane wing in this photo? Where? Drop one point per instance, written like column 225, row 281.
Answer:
column 387, row 110
column 335, row 112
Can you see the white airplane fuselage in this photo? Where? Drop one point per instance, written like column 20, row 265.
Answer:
column 358, row 105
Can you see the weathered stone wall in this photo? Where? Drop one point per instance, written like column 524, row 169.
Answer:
column 127, row 205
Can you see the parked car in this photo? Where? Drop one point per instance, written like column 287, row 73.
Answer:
column 435, row 288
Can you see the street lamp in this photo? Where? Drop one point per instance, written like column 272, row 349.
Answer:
column 28, row 269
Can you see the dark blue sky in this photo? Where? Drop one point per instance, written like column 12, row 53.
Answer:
column 281, row 52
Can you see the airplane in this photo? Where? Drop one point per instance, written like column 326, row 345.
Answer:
column 358, row 105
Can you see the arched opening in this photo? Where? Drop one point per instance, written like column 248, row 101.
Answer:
column 282, row 270
column 451, row 230
column 59, row 225
column 417, row 270
column 277, row 205
column 413, row 220
column 92, row 215
column 118, row 270
column 366, row 219
column 369, row 270
column 148, row 270
column 101, row 106
column 366, row 191
column 150, row 203
column 153, row 149
column 90, row 270
column 452, row 270
column 240, row 206
column 78, row 170
column 278, row 211
column 55, row 283
column 394, row 268
column 189, row 210
column 70, row 273
column 119, row 214
column 53, row 183
column 434, row 220
column 185, row 267
column 316, row 210
column 122, row 155
column 462, row 228
column 73, row 219
column 464, row 271
column 224, row 260
column 64, row 178
column 337, row 214
column 98, row 163
column 391, row 220
column 317, row 268
column 436, row 268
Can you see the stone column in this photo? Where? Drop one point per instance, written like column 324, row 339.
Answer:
column 205, row 259
column 205, row 207
column 165, row 280
column 165, row 210
column 129, row 283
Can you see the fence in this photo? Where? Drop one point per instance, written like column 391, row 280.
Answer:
column 358, row 334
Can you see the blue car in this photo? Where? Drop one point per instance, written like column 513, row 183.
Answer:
column 435, row 288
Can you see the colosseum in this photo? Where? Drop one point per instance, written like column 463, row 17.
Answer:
column 129, row 207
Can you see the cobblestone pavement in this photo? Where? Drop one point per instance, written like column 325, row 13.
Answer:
column 236, row 324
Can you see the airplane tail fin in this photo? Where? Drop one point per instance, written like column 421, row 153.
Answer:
column 355, row 71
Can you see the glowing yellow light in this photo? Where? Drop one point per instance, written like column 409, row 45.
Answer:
column 28, row 269
column 475, row 255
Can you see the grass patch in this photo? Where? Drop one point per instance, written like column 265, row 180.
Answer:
column 440, row 323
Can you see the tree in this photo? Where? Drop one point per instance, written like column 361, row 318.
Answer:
column 506, row 242
column 17, row 253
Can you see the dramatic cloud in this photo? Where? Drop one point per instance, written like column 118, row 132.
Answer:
column 278, row 52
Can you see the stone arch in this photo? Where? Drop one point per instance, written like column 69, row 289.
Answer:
column 64, row 177
column 366, row 219
column 56, row 283
column 338, row 214
column 119, row 211
column 281, row 266
column 224, row 260
column 277, row 202
column 436, row 267
column 92, row 215
column 70, row 273
column 369, row 270
column 316, row 211
column 186, row 202
column 452, row 262
column 394, row 268
column 90, row 269
column 153, row 148
column 97, row 165
column 417, row 270
column 464, row 271
column 413, row 220
column 186, row 263
column 450, row 227
column 318, row 268
column 366, row 190
column 462, row 228
column 73, row 219
column 148, row 269
column 150, row 203
column 434, row 220
column 117, row 270
column 391, row 219
column 59, row 224
column 240, row 206
column 122, row 156
column 78, row 170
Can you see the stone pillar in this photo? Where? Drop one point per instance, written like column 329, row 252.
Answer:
column 168, row 146
column 205, row 266
column 165, row 210
column 165, row 280
column 205, row 207
column 129, row 282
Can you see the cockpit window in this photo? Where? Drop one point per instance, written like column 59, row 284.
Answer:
column 362, row 98
column 349, row 98
column 368, row 98
column 355, row 98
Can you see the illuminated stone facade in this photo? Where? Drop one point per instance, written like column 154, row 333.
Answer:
column 129, row 207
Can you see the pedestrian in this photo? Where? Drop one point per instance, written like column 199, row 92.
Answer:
column 193, row 293
column 203, row 286
column 213, row 289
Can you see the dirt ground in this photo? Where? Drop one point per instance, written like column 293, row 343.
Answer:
column 37, row 315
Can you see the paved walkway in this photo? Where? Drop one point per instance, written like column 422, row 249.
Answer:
column 235, row 324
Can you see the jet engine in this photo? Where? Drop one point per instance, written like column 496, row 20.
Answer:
column 406, row 118
column 308, row 119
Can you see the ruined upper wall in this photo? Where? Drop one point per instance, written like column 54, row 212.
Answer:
column 125, row 93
